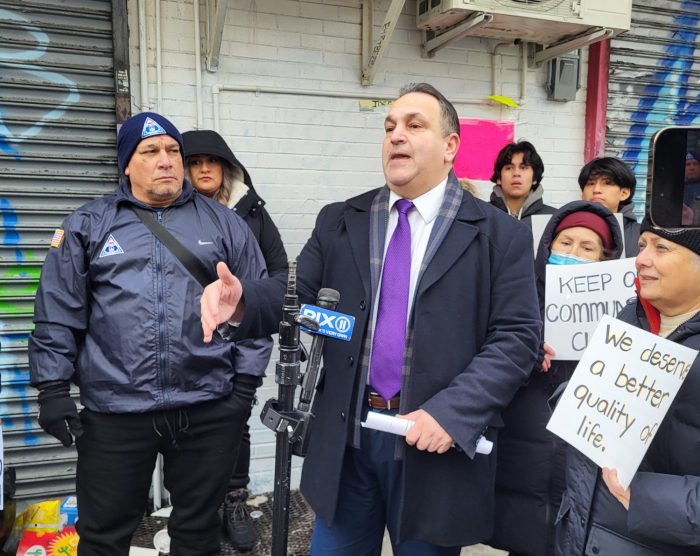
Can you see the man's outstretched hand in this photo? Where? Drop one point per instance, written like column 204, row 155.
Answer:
column 221, row 301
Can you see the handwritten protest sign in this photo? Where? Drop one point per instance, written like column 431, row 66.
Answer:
column 619, row 394
column 577, row 296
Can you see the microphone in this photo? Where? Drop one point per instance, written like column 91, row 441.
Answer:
column 327, row 299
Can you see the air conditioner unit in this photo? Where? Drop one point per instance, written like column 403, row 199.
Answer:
column 539, row 21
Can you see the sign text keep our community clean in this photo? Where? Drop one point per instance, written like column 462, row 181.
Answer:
column 578, row 296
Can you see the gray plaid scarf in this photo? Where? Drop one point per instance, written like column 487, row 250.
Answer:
column 379, row 218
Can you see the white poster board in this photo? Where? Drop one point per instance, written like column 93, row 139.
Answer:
column 619, row 394
column 621, row 223
column 539, row 223
column 577, row 296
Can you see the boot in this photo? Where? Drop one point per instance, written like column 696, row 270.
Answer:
column 237, row 521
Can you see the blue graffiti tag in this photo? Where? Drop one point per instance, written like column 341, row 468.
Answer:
column 10, row 59
column 668, row 101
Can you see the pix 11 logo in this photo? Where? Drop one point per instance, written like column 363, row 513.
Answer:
column 331, row 324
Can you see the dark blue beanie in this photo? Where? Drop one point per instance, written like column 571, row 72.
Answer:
column 140, row 127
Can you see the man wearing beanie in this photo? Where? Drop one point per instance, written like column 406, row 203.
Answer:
column 610, row 182
column 117, row 314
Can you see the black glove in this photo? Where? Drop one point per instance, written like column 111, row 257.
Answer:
column 58, row 414
column 244, row 387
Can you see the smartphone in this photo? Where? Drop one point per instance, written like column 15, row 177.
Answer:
column 673, row 185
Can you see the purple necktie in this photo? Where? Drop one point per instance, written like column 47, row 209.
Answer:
column 389, row 342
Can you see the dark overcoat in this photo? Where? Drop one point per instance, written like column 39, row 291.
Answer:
column 475, row 337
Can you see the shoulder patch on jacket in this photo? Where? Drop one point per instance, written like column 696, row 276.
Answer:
column 57, row 239
column 111, row 247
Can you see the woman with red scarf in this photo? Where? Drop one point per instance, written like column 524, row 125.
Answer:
column 660, row 511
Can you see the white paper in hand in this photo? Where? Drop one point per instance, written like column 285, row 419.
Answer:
column 396, row 425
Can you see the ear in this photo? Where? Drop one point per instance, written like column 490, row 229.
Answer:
column 451, row 147
column 625, row 193
column 126, row 170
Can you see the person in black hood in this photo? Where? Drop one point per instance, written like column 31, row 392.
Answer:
column 205, row 150
column 517, row 174
column 216, row 172
column 610, row 182
column 531, row 460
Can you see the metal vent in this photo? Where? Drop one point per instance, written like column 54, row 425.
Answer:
column 536, row 5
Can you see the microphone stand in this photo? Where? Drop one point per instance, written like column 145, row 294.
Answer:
column 279, row 414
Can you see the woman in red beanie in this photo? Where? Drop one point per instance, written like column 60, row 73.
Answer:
column 531, row 460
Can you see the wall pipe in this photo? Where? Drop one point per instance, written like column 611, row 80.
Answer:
column 523, row 72
column 143, row 56
column 198, row 66
column 495, row 82
column 159, row 62
column 217, row 89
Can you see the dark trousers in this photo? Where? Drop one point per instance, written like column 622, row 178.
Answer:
column 241, row 470
column 116, row 456
column 368, row 501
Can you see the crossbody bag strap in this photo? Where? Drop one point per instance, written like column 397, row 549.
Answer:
column 184, row 255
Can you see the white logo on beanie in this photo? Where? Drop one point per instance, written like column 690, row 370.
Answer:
column 150, row 128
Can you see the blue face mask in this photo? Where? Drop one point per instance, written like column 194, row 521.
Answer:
column 562, row 258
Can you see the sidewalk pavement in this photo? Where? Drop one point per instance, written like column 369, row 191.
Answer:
column 300, row 526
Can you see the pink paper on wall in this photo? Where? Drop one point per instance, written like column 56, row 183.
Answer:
column 481, row 141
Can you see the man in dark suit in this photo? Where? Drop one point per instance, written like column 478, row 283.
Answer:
column 456, row 275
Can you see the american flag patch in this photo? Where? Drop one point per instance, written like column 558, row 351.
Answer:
column 57, row 239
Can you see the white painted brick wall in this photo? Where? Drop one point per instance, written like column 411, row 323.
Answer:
column 304, row 152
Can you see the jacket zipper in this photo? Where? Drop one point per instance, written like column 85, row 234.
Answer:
column 160, row 306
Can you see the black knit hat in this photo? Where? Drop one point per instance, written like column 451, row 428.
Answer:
column 207, row 141
column 140, row 127
column 687, row 237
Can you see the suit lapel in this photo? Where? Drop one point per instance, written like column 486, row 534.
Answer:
column 452, row 233
column 366, row 226
column 455, row 242
column 357, row 225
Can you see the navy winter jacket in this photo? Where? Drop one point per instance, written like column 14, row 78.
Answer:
column 118, row 314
